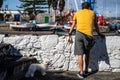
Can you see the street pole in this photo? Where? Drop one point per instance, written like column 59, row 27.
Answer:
column 76, row 5
column 116, row 10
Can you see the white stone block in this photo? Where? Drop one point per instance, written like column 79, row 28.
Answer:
column 59, row 61
column 29, row 45
column 37, row 45
column 73, row 66
column 12, row 40
column 115, row 63
column 33, row 39
column 60, row 46
column 1, row 37
column 103, row 66
column 48, row 42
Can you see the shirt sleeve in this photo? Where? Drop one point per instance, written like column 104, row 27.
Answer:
column 75, row 17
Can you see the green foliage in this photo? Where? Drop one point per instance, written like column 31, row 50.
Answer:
column 54, row 4
column 33, row 6
column 49, row 3
column 1, row 3
column 61, row 5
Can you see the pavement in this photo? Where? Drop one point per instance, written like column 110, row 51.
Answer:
column 71, row 75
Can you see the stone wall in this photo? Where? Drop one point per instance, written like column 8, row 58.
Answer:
column 105, row 55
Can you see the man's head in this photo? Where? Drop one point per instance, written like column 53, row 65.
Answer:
column 86, row 5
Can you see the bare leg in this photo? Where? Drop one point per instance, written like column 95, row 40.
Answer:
column 87, row 61
column 80, row 63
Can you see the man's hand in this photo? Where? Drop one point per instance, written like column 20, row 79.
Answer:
column 69, row 34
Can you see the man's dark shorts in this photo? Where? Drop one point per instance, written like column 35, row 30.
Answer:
column 83, row 43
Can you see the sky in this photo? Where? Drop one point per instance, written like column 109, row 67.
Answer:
column 103, row 7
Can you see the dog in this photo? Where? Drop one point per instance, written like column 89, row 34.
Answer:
column 42, row 67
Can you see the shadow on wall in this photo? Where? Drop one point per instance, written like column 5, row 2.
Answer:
column 12, row 64
column 15, row 52
column 99, row 59
column 8, row 50
column 8, row 53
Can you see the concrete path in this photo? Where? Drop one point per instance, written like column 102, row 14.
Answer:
column 69, row 75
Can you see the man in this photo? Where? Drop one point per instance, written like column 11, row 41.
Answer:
column 84, row 20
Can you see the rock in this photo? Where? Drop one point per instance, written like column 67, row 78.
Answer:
column 103, row 66
column 1, row 38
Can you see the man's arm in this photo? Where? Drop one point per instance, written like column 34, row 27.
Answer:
column 96, row 25
column 72, row 27
column 97, row 28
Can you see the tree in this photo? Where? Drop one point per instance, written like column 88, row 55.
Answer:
column 49, row 4
column 1, row 3
column 61, row 5
column 33, row 6
column 54, row 4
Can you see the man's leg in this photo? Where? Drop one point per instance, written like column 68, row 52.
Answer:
column 87, row 58
column 80, row 63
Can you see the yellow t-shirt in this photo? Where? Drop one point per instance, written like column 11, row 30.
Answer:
column 84, row 21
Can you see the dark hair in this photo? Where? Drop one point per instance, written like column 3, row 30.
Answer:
column 85, row 5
